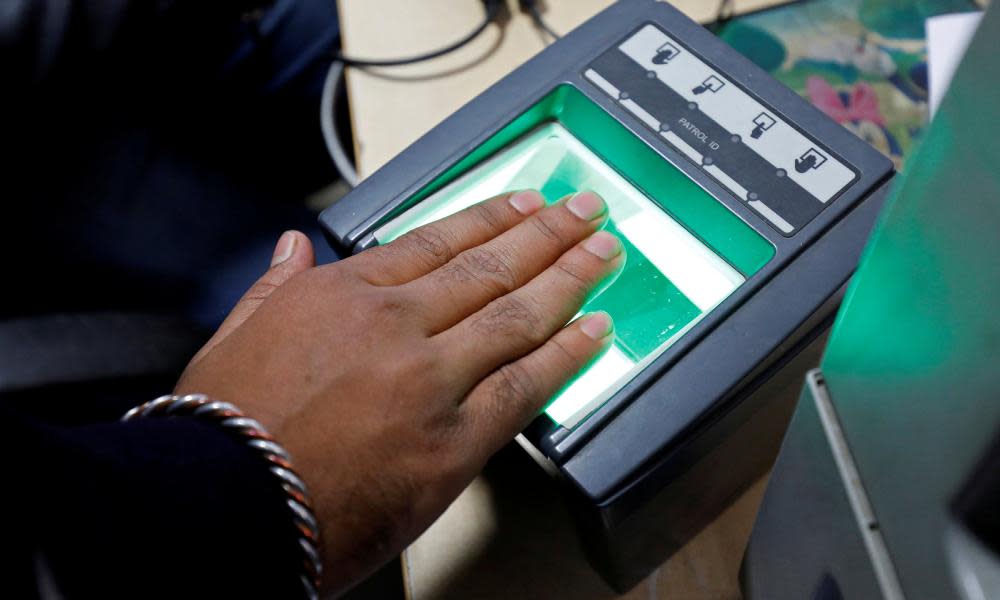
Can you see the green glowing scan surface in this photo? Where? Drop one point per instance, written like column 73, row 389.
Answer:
column 670, row 280
column 686, row 251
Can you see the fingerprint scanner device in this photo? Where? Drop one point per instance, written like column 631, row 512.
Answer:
column 743, row 211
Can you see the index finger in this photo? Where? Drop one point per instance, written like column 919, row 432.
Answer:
column 431, row 246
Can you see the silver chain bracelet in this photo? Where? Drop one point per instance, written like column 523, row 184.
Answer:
column 260, row 441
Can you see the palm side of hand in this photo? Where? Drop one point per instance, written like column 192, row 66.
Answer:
column 392, row 376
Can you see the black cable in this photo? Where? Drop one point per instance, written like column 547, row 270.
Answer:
column 328, row 125
column 334, row 76
column 723, row 15
column 531, row 7
column 536, row 16
column 492, row 7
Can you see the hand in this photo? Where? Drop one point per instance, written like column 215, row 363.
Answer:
column 392, row 376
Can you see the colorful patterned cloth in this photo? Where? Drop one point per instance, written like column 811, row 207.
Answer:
column 862, row 62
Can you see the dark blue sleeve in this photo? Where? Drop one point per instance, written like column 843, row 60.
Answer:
column 154, row 509
column 38, row 37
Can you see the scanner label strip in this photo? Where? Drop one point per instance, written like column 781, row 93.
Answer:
column 779, row 171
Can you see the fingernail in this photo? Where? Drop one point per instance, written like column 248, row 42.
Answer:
column 284, row 249
column 597, row 325
column 586, row 205
column 603, row 245
column 527, row 201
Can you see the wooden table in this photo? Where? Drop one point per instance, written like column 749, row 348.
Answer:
column 392, row 107
column 507, row 535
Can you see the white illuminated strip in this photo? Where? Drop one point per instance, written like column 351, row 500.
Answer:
column 640, row 112
column 683, row 146
column 474, row 186
column 675, row 140
column 490, row 186
column 771, row 216
column 578, row 399
column 733, row 185
column 602, row 83
column 734, row 110
column 487, row 187
column 695, row 270
column 698, row 272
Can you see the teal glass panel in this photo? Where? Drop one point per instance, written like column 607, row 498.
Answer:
column 671, row 279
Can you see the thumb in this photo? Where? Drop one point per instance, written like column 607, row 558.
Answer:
column 292, row 254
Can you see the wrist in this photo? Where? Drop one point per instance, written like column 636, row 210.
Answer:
column 277, row 460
